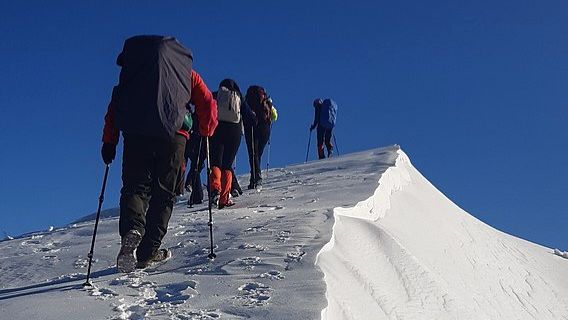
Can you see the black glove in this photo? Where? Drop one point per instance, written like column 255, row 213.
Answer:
column 108, row 152
column 313, row 126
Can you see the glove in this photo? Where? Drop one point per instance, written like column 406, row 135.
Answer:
column 108, row 152
column 312, row 127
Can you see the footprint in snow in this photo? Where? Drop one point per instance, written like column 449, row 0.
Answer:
column 47, row 249
column 133, row 280
column 185, row 243
column 51, row 258
column 254, row 294
column 130, row 310
column 250, row 262
column 195, row 271
column 199, row 314
column 82, row 263
column 208, row 250
column 258, row 247
column 257, row 229
column 101, row 293
column 179, row 233
column 295, row 256
column 283, row 236
column 264, row 208
column 272, row 275
column 151, row 300
column 175, row 293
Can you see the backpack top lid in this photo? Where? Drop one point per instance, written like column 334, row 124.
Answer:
column 231, row 85
column 329, row 103
column 142, row 48
column 147, row 102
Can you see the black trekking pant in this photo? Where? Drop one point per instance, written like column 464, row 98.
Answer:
column 324, row 135
column 225, row 144
column 150, row 170
column 235, row 186
column 197, row 157
column 256, row 138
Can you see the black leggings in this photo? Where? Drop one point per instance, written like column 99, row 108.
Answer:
column 256, row 138
column 225, row 144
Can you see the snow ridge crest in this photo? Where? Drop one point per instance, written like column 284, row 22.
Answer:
column 391, row 181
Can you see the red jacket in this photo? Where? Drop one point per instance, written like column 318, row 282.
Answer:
column 201, row 98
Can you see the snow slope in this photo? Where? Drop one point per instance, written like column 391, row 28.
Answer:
column 408, row 252
column 399, row 250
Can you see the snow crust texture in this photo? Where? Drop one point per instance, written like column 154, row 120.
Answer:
column 408, row 252
column 266, row 247
column 361, row 236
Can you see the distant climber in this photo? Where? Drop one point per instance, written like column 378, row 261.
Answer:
column 257, row 130
column 325, row 115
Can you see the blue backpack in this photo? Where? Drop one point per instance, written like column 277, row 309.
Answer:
column 328, row 114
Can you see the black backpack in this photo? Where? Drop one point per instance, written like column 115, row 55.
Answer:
column 154, row 88
column 256, row 98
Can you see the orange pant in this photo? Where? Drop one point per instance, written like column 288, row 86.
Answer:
column 221, row 181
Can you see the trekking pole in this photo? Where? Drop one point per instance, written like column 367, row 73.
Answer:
column 195, row 175
column 253, row 155
column 211, row 255
column 90, row 255
column 268, row 155
column 309, row 142
column 335, row 142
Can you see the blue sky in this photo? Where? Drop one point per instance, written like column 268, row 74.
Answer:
column 475, row 93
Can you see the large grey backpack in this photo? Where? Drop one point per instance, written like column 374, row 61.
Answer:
column 154, row 87
column 228, row 105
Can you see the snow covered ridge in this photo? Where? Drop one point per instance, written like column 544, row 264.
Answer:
column 399, row 249
column 408, row 252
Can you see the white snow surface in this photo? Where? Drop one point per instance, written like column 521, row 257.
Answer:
column 361, row 236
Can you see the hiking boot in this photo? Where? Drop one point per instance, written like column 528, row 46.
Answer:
column 251, row 186
column 215, row 195
column 229, row 203
column 126, row 260
column 235, row 193
column 192, row 202
column 160, row 255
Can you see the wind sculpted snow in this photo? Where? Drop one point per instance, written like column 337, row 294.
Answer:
column 408, row 252
column 390, row 246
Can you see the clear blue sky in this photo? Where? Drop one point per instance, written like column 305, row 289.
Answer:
column 475, row 93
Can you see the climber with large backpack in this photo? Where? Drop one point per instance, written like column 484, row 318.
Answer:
column 325, row 116
column 149, row 106
column 257, row 130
